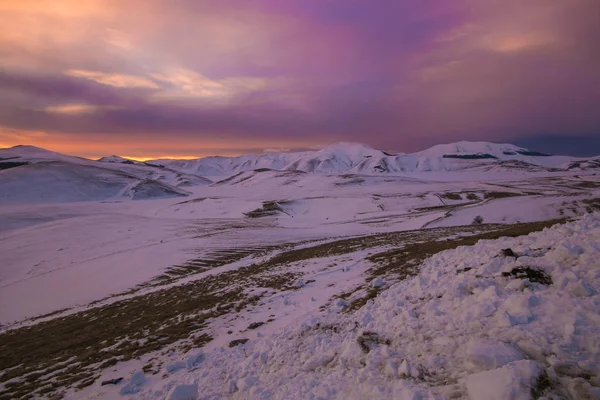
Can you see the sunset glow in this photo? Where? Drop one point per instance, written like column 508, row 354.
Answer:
column 193, row 78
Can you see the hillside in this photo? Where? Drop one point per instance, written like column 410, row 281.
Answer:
column 30, row 174
column 61, row 182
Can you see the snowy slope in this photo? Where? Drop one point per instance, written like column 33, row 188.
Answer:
column 24, row 155
column 32, row 154
column 361, row 159
column 60, row 182
column 118, row 159
column 476, row 323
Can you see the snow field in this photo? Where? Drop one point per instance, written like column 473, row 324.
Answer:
column 466, row 327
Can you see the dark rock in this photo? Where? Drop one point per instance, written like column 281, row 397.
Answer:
column 255, row 325
column 112, row 382
column 368, row 340
column 465, row 269
column 509, row 253
column 237, row 342
column 533, row 275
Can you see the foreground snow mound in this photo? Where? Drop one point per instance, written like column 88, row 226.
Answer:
column 513, row 318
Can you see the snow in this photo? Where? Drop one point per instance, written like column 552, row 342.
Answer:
column 469, row 313
column 511, row 382
column 135, row 383
column 489, row 354
column 70, row 254
column 184, row 392
column 362, row 159
column 49, row 177
column 116, row 159
column 440, row 334
column 84, row 258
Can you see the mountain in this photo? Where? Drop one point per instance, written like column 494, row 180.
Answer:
column 23, row 155
column 362, row 159
column 119, row 159
column 30, row 174
column 59, row 181
column 59, row 176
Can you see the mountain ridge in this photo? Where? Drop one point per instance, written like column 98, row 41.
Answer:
column 362, row 159
column 348, row 157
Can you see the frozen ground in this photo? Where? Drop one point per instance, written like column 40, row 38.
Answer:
column 302, row 265
column 75, row 253
column 481, row 322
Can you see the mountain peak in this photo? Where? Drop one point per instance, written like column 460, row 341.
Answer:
column 348, row 149
column 465, row 147
column 114, row 158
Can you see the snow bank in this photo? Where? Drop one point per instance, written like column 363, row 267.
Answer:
column 474, row 323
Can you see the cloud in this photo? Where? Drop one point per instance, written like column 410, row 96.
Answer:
column 117, row 80
column 73, row 108
column 398, row 75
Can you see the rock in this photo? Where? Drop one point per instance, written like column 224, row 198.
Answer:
column 184, row 392
column 237, row 342
column 532, row 274
column 255, row 325
column 369, row 340
column 513, row 381
column 508, row 253
column 487, row 354
column 115, row 381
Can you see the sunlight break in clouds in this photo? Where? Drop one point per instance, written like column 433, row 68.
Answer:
column 116, row 80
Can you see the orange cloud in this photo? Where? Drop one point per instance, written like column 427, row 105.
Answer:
column 74, row 108
column 117, row 80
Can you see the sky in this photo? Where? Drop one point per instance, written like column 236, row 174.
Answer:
column 189, row 78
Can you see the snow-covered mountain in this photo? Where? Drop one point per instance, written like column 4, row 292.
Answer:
column 30, row 174
column 60, row 182
column 23, row 155
column 119, row 159
column 362, row 159
column 338, row 159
